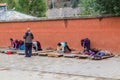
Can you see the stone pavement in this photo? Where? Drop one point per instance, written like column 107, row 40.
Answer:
column 17, row 67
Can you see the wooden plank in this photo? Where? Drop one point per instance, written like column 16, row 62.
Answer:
column 10, row 51
column 45, row 51
column 109, row 56
column 23, row 53
column 101, row 58
column 54, row 54
column 2, row 51
column 82, row 56
column 75, row 52
column 6, row 50
column 42, row 54
column 96, row 58
column 70, row 55
column 34, row 53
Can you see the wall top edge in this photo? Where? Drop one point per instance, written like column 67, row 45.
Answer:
column 59, row 18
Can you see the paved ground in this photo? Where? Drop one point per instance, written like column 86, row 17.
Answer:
column 17, row 67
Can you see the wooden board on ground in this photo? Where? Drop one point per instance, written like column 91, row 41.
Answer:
column 75, row 52
column 2, row 51
column 8, row 51
column 21, row 53
column 54, row 54
column 70, row 55
column 81, row 56
column 34, row 53
column 45, row 51
column 104, row 57
column 12, row 51
column 42, row 54
column 101, row 58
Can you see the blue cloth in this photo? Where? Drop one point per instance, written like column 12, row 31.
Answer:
column 22, row 47
column 64, row 45
column 91, row 52
column 101, row 53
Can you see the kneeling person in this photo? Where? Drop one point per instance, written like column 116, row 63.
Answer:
column 37, row 46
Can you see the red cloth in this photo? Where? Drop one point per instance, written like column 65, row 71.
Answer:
column 9, row 52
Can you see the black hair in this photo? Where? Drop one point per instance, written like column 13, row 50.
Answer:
column 59, row 44
column 11, row 39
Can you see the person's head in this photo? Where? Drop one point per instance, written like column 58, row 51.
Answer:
column 11, row 39
column 28, row 29
column 59, row 44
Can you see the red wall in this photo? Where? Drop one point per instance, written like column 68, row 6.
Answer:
column 104, row 33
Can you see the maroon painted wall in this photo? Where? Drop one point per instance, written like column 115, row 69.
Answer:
column 103, row 32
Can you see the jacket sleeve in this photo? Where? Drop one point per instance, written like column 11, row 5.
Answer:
column 24, row 36
column 32, row 36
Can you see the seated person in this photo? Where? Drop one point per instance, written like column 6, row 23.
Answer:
column 37, row 46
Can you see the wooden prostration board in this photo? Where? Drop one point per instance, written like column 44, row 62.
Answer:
column 23, row 53
column 104, row 57
column 81, row 56
column 55, row 54
column 42, row 54
column 70, row 55
column 5, row 51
